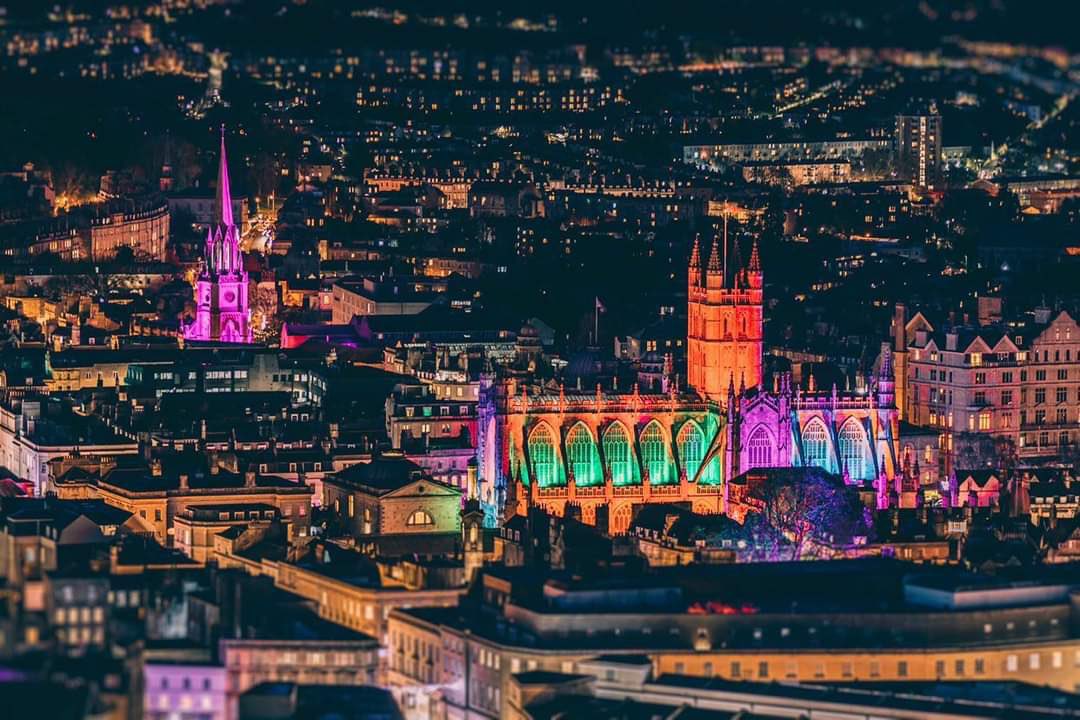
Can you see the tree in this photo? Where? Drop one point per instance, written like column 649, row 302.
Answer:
column 808, row 503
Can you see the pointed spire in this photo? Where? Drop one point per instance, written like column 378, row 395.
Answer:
column 695, row 254
column 715, row 267
column 755, row 258
column 224, row 193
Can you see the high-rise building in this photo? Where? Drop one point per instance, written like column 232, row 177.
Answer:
column 221, row 293
column 918, row 148
column 724, row 325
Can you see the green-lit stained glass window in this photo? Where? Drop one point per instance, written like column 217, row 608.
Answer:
column 617, row 452
column 545, row 460
column 655, row 455
column 584, row 459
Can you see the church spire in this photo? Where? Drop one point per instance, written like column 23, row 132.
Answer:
column 224, row 193
column 755, row 258
column 695, row 254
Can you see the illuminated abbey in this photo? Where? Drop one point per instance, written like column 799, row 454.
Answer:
column 608, row 450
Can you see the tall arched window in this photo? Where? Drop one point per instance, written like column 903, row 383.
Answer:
column 419, row 518
column 692, row 448
column 854, row 451
column 816, row 445
column 655, row 455
column 617, row 452
column 545, row 461
column 759, row 451
column 583, row 457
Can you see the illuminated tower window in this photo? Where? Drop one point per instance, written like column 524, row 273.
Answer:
column 853, row 451
column 617, row 453
column 584, row 460
column 544, row 458
column 655, row 455
column 759, row 448
column 815, row 445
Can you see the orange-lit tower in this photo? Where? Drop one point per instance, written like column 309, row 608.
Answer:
column 725, row 322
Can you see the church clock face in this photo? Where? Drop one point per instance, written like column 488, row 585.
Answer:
column 230, row 296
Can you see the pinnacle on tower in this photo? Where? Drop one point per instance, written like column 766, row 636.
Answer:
column 695, row 254
column 755, row 258
column 715, row 266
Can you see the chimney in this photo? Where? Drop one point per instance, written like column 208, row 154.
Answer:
column 249, row 479
column 212, row 462
column 184, row 482
column 155, row 467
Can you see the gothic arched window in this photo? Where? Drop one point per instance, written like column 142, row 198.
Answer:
column 618, row 454
column 545, row 460
column 654, row 454
column 692, row 449
column 759, row 452
column 583, row 457
column 854, row 451
column 816, row 445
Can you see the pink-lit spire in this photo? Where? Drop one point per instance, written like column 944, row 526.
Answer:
column 224, row 194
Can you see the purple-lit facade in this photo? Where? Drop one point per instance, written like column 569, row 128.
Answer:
column 221, row 292
column 184, row 692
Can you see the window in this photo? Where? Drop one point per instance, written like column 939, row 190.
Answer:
column 736, row 668
column 980, row 666
column 901, row 668
column 542, row 454
column 584, row 459
column 939, row 668
column 420, row 517
column 759, row 448
column 853, row 452
column 815, row 445
column 1011, row 663
column 763, row 669
column 617, row 453
column 655, row 455
column 1033, row 661
column 691, row 444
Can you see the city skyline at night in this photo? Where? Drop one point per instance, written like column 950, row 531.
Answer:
column 477, row 360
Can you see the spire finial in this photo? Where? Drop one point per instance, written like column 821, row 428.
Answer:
column 714, row 258
column 695, row 253
column 755, row 258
